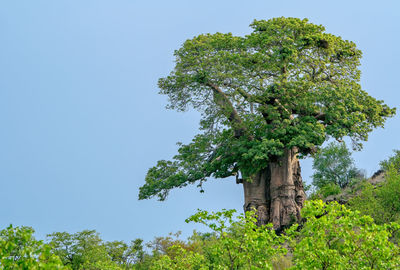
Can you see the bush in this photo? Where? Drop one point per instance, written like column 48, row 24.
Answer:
column 325, row 191
column 330, row 189
column 239, row 243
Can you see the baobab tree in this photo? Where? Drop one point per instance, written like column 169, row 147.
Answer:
column 265, row 99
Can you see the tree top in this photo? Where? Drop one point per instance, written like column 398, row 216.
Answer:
column 286, row 85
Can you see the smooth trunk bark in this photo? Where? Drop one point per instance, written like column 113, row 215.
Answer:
column 276, row 193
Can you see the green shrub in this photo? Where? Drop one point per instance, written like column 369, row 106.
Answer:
column 330, row 189
column 239, row 243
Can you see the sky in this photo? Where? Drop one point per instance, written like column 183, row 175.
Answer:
column 82, row 121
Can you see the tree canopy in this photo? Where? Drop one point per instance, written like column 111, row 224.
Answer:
column 20, row 250
column 286, row 85
column 334, row 165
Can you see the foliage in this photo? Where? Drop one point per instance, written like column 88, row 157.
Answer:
column 234, row 244
column 124, row 254
column 288, row 84
column 330, row 237
column 163, row 245
column 20, row 250
column 181, row 260
column 327, row 190
column 86, row 250
column 334, row 165
column 239, row 243
column 393, row 161
column 335, row 237
column 382, row 203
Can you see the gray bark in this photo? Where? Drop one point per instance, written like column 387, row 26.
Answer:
column 276, row 193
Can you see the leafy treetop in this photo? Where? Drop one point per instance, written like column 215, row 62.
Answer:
column 288, row 84
column 334, row 165
column 20, row 250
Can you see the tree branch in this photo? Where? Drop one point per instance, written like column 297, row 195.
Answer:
column 249, row 97
column 291, row 117
column 222, row 100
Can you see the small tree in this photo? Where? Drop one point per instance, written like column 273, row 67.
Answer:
column 334, row 165
column 392, row 161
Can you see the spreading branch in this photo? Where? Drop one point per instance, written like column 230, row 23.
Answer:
column 222, row 100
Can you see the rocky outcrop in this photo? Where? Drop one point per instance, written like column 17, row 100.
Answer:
column 348, row 193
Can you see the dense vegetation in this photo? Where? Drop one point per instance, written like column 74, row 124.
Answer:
column 382, row 201
column 330, row 237
column 361, row 235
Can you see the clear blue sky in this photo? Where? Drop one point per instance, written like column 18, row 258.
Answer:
column 81, row 120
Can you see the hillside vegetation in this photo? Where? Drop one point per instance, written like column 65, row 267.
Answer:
column 356, row 228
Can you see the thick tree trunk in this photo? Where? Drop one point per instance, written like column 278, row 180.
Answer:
column 276, row 193
column 257, row 196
